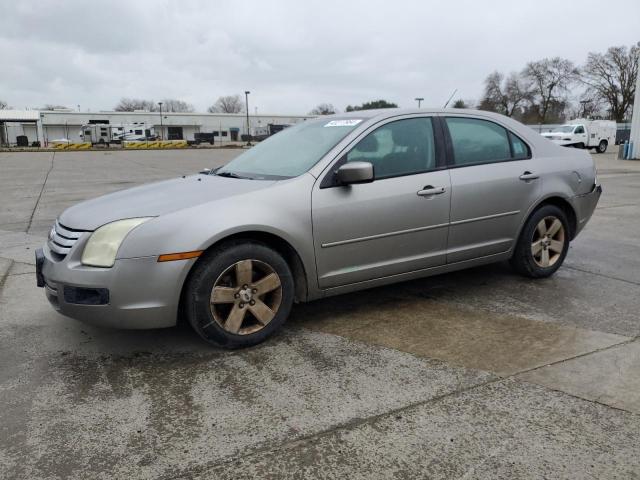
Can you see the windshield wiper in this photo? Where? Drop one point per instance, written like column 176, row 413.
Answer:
column 231, row 175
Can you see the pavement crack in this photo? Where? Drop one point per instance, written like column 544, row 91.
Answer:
column 585, row 354
column 617, row 206
column 35, row 207
column 4, row 277
column 349, row 425
column 17, row 274
column 604, row 275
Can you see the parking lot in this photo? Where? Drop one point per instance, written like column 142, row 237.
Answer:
column 475, row 374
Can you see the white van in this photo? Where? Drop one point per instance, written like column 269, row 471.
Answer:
column 583, row 133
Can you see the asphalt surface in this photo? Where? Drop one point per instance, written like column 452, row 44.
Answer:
column 476, row 374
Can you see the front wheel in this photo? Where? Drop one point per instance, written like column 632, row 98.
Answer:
column 543, row 243
column 239, row 294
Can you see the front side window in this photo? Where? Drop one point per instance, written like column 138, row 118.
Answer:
column 579, row 129
column 403, row 147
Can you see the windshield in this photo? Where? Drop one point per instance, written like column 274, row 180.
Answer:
column 292, row 151
column 564, row 129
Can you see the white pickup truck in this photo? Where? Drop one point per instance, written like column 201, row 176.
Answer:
column 583, row 133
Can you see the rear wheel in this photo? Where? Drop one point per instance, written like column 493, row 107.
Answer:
column 543, row 243
column 602, row 146
column 239, row 294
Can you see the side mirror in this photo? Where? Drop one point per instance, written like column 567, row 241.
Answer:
column 355, row 172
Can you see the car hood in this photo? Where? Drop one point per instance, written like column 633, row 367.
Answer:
column 156, row 199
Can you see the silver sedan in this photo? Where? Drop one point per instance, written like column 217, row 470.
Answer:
column 332, row 205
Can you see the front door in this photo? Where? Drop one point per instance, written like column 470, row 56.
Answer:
column 397, row 223
column 494, row 181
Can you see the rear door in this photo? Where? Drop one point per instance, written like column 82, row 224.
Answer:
column 494, row 181
column 398, row 223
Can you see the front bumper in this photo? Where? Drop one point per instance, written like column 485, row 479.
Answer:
column 584, row 206
column 136, row 293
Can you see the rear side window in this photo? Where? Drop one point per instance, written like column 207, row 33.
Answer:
column 519, row 148
column 478, row 141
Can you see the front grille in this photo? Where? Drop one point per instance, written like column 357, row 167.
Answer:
column 62, row 239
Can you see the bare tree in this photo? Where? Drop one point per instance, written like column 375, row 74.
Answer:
column 176, row 106
column 227, row 104
column 611, row 77
column 550, row 79
column 505, row 96
column 131, row 104
column 3, row 105
column 323, row 109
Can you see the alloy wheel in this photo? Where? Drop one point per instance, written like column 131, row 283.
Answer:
column 246, row 297
column 548, row 242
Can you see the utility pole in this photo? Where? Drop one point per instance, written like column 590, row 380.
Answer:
column 419, row 100
column 246, row 101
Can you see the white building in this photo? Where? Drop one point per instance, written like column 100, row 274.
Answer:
column 46, row 126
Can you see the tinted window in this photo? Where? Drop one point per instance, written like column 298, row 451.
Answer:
column 478, row 141
column 519, row 148
column 398, row 148
column 579, row 129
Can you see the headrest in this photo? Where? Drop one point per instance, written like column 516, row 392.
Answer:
column 404, row 137
column 368, row 144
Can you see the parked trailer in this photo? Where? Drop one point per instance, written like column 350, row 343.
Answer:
column 105, row 134
column 583, row 133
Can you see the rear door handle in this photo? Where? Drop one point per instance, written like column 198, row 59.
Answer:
column 429, row 190
column 526, row 176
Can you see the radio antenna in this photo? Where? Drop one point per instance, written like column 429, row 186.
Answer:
column 454, row 92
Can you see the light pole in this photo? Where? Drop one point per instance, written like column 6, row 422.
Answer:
column 584, row 104
column 419, row 100
column 161, row 132
column 246, row 101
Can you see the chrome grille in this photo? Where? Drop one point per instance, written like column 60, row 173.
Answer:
column 62, row 239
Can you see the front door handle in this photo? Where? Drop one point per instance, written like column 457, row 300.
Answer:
column 429, row 190
column 526, row 176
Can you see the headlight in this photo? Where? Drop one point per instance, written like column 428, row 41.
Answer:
column 101, row 249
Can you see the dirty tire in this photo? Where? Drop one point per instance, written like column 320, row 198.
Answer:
column 523, row 260
column 220, row 269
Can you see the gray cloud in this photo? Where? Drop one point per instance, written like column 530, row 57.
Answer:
column 290, row 54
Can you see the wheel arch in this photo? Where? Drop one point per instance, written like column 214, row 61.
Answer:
column 273, row 241
column 560, row 202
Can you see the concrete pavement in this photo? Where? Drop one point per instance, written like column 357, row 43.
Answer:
column 476, row 374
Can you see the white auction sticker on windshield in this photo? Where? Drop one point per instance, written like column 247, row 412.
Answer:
column 343, row 123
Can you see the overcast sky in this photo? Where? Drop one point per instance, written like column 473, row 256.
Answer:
column 291, row 55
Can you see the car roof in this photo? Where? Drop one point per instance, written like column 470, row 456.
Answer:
column 381, row 113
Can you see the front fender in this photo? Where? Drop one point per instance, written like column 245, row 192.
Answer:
column 283, row 210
